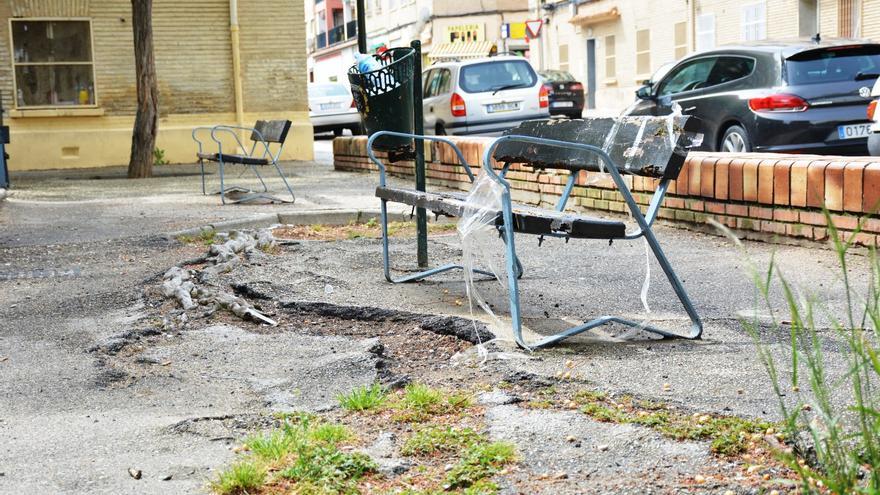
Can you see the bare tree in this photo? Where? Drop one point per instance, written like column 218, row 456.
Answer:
column 143, row 138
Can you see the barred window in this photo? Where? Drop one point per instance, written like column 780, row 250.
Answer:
column 52, row 61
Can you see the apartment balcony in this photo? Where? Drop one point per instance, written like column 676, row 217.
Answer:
column 320, row 41
column 351, row 30
column 336, row 34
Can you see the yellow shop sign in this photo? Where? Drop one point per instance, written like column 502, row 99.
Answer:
column 466, row 32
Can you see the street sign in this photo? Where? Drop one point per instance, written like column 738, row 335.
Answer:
column 534, row 28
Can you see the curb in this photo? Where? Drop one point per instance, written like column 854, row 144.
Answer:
column 324, row 217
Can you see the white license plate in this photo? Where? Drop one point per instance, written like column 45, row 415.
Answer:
column 329, row 106
column 853, row 131
column 562, row 104
column 502, row 107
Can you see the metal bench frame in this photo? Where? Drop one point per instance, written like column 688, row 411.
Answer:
column 383, row 214
column 254, row 158
column 513, row 266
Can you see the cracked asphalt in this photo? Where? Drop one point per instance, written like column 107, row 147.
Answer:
column 76, row 252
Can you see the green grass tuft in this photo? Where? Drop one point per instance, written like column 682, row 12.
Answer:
column 363, row 398
column 419, row 402
column 241, row 478
column 480, row 461
column 439, row 439
column 205, row 238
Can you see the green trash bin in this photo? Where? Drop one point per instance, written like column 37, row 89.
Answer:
column 384, row 97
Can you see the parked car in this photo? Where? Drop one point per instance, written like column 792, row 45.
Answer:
column 331, row 108
column 566, row 93
column 482, row 96
column 772, row 96
column 874, row 115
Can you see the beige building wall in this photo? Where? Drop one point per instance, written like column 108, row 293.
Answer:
column 194, row 66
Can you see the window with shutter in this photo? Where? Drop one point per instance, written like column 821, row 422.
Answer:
column 754, row 21
column 705, row 32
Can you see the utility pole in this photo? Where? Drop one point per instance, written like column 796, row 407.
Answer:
column 362, row 26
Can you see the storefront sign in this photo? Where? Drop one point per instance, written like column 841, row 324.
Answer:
column 513, row 30
column 466, row 32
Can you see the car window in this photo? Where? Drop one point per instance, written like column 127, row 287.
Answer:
column 426, row 81
column 728, row 69
column 445, row 76
column 327, row 90
column 831, row 65
column 692, row 75
column 491, row 76
column 434, row 85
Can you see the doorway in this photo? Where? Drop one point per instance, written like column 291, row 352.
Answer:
column 591, row 73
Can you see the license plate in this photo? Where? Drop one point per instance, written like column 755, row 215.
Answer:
column 853, row 131
column 329, row 106
column 562, row 104
column 502, row 107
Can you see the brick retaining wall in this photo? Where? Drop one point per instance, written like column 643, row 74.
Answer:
column 759, row 196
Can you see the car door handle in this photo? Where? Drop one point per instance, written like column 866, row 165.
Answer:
column 431, row 108
column 689, row 109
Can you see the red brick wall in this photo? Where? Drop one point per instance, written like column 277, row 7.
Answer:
column 761, row 196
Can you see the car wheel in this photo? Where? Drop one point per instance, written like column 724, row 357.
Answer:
column 874, row 144
column 736, row 140
column 440, row 130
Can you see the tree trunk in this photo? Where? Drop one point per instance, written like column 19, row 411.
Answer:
column 143, row 139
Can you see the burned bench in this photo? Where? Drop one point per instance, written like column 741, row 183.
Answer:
column 652, row 147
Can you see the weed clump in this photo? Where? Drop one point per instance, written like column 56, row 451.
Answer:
column 239, row 479
column 305, row 452
column 479, row 463
column 440, row 439
column 845, row 438
column 363, row 398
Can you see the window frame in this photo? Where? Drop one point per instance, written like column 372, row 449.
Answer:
column 646, row 51
column 15, row 64
column 610, row 58
column 760, row 25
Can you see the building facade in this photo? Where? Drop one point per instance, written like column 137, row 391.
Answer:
column 68, row 77
column 446, row 29
column 615, row 45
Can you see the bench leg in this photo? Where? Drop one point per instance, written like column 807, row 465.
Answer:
column 202, row 166
column 222, row 186
column 286, row 184
column 257, row 172
column 514, row 271
column 386, row 257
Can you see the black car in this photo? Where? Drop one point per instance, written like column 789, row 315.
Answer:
column 802, row 96
column 566, row 93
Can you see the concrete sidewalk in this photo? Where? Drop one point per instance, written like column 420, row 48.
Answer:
column 99, row 204
column 78, row 249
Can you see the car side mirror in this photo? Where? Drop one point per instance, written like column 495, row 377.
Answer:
column 645, row 92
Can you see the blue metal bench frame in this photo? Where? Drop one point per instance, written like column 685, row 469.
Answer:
column 513, row 266
column 254, row 158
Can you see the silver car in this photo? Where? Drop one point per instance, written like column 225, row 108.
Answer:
column 482, row 96
column 331, row 108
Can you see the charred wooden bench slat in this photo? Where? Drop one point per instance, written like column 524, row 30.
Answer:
column 654, row 147
column 527, row 219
